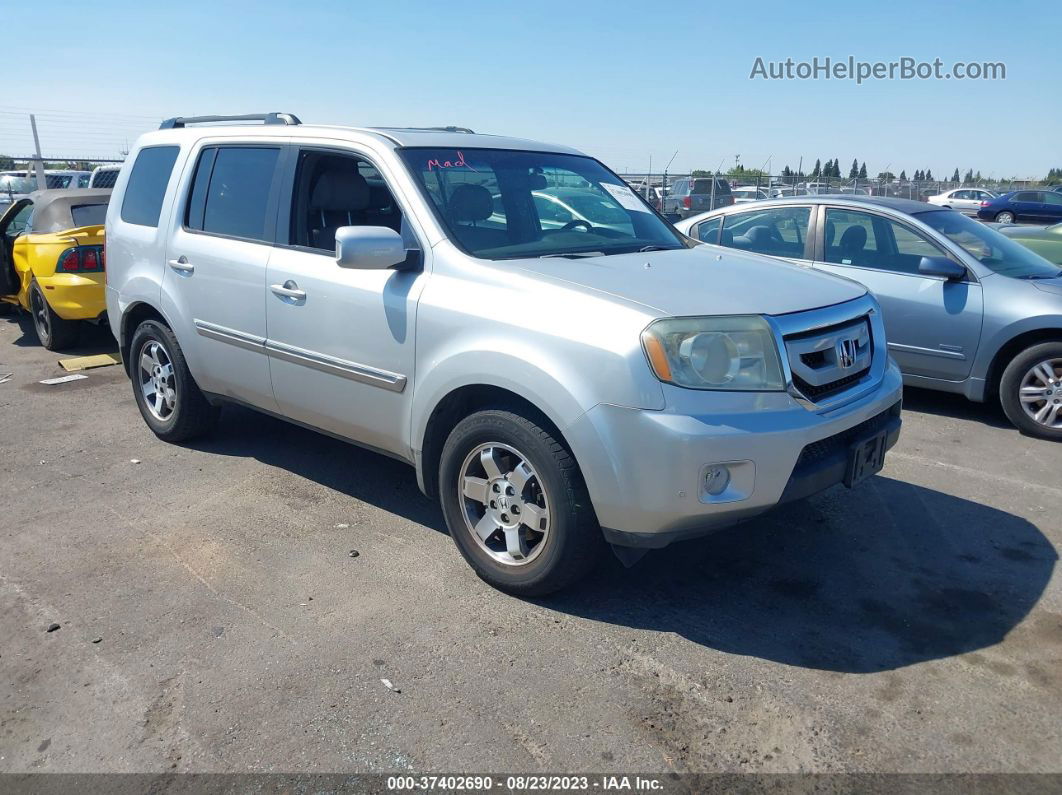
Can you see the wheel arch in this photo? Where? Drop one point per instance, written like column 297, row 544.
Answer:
column 1012, row 348
column 135, row 314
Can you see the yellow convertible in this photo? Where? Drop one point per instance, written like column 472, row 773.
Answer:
column 51, row 261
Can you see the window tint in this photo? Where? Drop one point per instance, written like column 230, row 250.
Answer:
column 1027, row 196
column 88, row 214
column 778, row 232
column 708, row 231
column 147, row 185
column 1052, row 198
column 230, row 193
column 871, row 241
column 334, row 190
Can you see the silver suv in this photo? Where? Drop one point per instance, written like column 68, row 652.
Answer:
column 556, row 387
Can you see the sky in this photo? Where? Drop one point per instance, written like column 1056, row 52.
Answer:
column 627, row 82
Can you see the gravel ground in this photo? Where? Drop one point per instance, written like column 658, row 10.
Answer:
column 212, row 619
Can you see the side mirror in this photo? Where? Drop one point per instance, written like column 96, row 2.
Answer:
column 943, row 267
column 369, row 247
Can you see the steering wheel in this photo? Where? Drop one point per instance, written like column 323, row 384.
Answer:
column 577, row 222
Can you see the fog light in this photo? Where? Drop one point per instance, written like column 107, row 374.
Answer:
column 716, row 479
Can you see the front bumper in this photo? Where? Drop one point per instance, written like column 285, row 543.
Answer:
column 645, row 469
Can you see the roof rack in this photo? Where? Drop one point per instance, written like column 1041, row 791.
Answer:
column 464, row 130
column 265, row 118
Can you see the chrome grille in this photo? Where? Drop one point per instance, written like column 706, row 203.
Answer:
column 827, row 361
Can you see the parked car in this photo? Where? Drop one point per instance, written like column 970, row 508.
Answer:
column 967, row 309
column 1044, row 240
column 104, row 176
column 1023, row 206
column 572, row 208
column 552, row 387
column 689, row 196
column 748, row 193
column 15, row 185
column 965, row 200
column 52, row 262
column 58, row 180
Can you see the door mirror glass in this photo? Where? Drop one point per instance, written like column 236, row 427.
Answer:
column 369, row 247
column 941, row 266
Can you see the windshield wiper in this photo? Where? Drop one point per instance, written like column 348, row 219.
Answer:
column 574, row 255
column 655, row 247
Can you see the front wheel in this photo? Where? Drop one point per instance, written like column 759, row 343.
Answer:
column 516, row 504
column 54, row 332
column 1005, row 217
column 1031, row 391
column 166, row 394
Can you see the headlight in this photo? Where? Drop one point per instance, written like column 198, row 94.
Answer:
column 736, row 352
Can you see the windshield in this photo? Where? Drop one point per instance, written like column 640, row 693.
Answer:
column 989, row 247
column 505, row 204
column 12, row 184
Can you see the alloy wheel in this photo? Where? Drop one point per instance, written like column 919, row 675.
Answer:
column 1040, row 393
column 504, row 503
column 41, row 318
column 157, row 383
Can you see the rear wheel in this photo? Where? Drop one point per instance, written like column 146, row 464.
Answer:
column 166, row 394
column 516, row 505
column 54, row 333
column 1005, row 217
column 1031, row 391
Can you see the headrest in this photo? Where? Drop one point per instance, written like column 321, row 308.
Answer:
column 758, row 234
column 470, row 203
column 854, row 237
column 340, row 190
column 831, row 231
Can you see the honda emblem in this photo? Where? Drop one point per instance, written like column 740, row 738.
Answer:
column 846, row 353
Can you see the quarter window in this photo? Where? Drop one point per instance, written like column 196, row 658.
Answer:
column 778, row 232
column 230, row 193
column 146, row 188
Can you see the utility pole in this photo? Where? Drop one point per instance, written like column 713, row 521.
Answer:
column 38, row 163
column 669, row 162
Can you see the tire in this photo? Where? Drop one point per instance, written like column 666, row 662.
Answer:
column 1005, row 217
column 54, row 333
column 176, row 409
column 1031, row 391
column 566, row 542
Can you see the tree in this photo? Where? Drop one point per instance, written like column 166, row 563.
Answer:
column 817, row 171
column 928, row 176
column 787, row 172
column 955, row 176
column 853, row 172
column 863, row 170
column 886, row 176
column 903, row 175
column 699, row 172
column 968, row 178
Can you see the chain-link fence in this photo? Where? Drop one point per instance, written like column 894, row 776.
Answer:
column 657, row 187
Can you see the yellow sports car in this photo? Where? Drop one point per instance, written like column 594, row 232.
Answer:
column 51, row 261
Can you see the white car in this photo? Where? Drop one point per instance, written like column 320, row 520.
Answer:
column 965, row 200
column 748, row 193
column 105, row 176
column 59, row 180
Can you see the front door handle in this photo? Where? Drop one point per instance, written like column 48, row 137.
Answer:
column 288, row 289
column 182, row 264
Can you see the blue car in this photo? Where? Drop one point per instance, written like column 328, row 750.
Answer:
column 1030, row 206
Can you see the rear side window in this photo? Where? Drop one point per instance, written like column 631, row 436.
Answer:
column 231, row 191
column 147, row 185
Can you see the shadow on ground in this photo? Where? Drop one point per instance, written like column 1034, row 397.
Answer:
column 887, row 576
column 92, row 338
column 946, row 404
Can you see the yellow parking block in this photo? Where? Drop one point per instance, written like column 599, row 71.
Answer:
column 89, row 362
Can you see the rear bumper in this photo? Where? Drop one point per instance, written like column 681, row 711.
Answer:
column 75, row 296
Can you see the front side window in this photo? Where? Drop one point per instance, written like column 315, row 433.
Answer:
column 990, row 248
column 708, row 231
column 20, row 223
column 778, row 232
column 230, row 192
column 333, row 190
column 872, row 241
column 146, row 188
column 486, row 199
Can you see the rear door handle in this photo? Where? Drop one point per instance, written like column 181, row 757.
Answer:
column 288, row 289
column 182, row 264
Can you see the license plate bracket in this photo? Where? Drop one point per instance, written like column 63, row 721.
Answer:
column 866, row 458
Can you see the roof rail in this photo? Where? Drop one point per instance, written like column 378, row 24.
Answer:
column 265, row 118
column 430, row 129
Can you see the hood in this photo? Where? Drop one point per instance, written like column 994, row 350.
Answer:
column 1048, row 285
column 705, row 280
